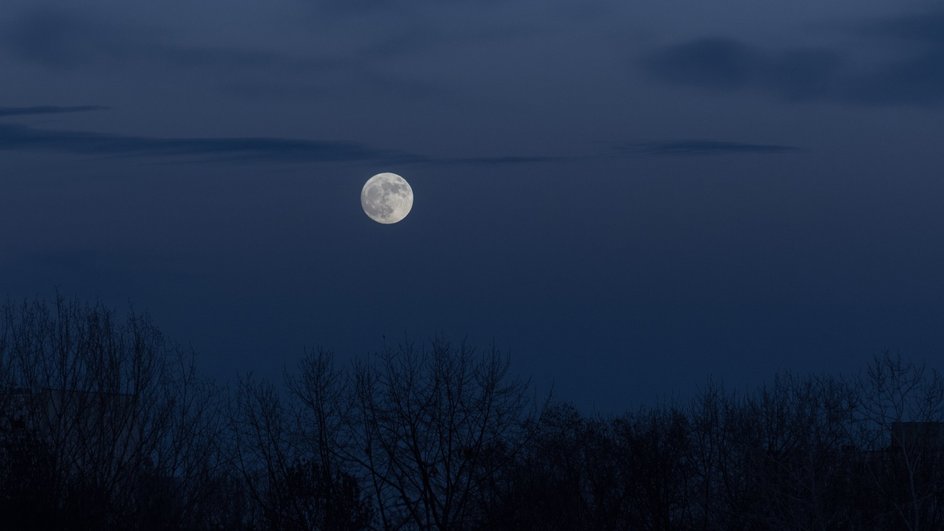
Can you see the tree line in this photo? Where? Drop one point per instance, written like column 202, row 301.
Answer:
column 106, row 424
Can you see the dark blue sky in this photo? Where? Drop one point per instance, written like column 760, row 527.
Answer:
column 627, row 198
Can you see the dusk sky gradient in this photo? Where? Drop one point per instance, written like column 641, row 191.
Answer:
column 628, row 198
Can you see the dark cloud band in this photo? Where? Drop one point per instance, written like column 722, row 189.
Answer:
column 24, row 138
column 911, row 76
column 48, row 109
column 707, row 147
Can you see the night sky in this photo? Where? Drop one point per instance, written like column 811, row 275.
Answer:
column 628, row 198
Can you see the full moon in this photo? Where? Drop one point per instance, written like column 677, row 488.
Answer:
column 387, row 198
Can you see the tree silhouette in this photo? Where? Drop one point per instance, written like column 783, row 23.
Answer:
column 98, row 414
column 105, row 424
column 428, row 427
column 900, row 416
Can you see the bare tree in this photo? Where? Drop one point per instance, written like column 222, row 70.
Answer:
column 900, row 418
column 654, row 447
column 105, row 424
column 117, row 411
column 426, row 423
column 288, row 451
column 709, row 414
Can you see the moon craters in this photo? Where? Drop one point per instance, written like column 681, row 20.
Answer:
column 387, row 198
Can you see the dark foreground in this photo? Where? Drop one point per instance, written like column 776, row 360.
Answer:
column 104, row 424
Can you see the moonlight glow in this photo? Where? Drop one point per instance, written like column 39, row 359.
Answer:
column 387, row 198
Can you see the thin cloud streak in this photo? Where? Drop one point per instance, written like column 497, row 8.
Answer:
column 18, row 137
column 502, row 160
column 24, row 138
column 49, row 109
column 707, row 147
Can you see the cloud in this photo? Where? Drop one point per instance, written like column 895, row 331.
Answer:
column 916, row 76
column 925, row 26
column 912, row 76
column 707, row 147
column 725, row 64
column 18, row 137
column 68, row 40
column 666, row 148
column 48, row 109
column 15, row 137
column 502, row 160
column 59, row 38
column 917, row 80
column 24, row 138
column 715, row 63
